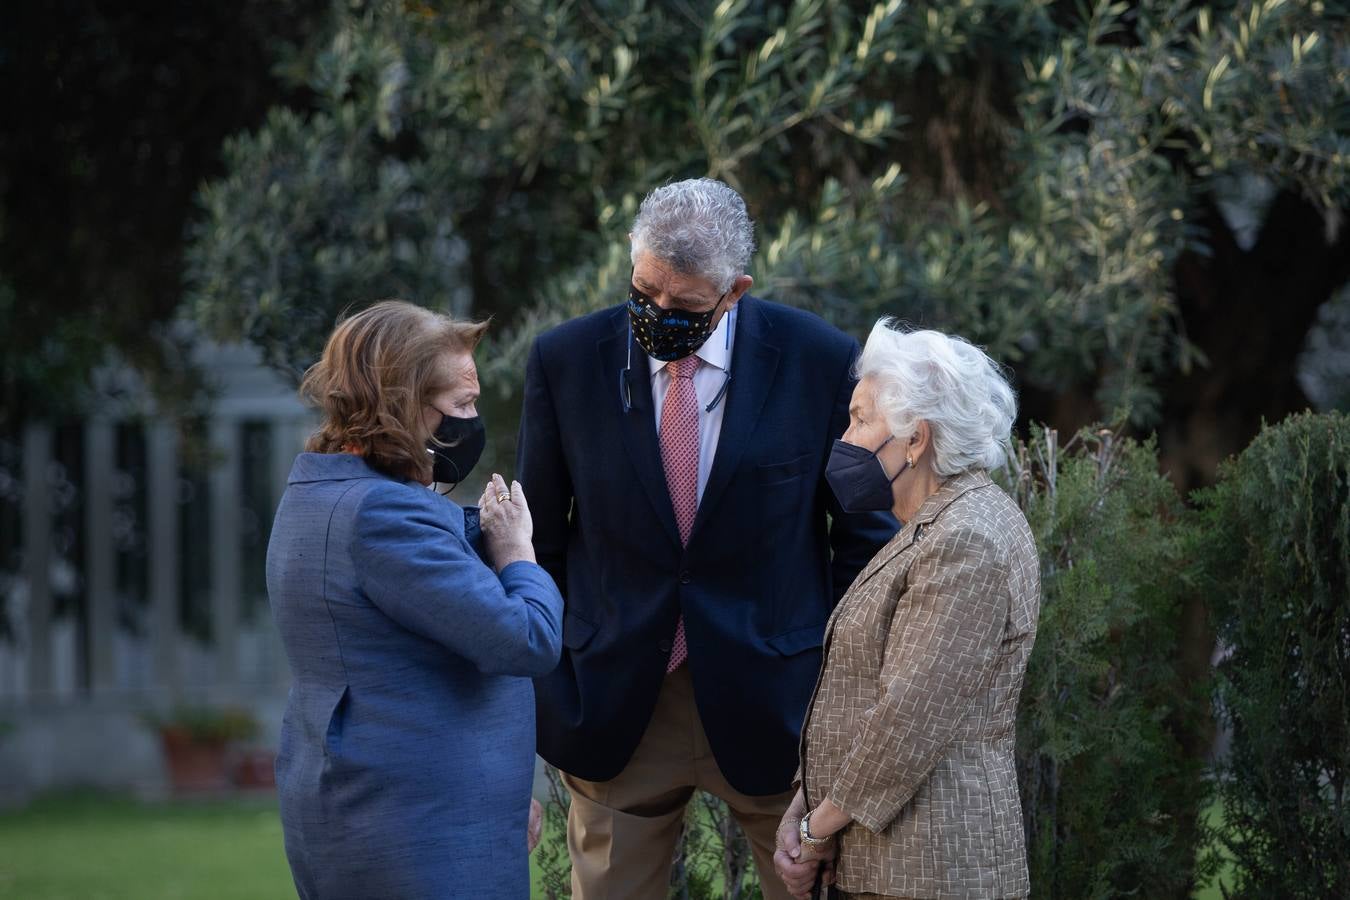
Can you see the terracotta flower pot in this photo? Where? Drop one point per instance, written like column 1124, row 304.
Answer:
column 255, row 768
column 194, row 765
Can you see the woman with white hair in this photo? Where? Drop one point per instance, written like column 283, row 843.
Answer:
column 907, row 786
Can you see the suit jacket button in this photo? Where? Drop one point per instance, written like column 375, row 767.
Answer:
column 685, row 578
column 665, row 646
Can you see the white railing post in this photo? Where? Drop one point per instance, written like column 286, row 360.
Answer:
column 288, row 438
column 37, row 554
column 100, row 575
column 226, row 550
column 163, row 513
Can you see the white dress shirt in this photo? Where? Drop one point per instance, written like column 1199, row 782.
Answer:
column 708, row 380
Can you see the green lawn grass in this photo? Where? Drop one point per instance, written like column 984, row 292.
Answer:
column 91, row 846
column 96, row 847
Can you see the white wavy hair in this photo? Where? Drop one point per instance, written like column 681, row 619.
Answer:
column 947, row 382
column 698, row 227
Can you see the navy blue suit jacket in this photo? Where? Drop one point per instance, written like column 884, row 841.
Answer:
column 770, row 553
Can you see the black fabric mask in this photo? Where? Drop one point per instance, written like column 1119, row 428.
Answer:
column 668, row 334
column 465, row 440
column 857, row 478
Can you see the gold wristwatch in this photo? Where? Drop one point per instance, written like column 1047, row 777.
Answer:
column 804, row 832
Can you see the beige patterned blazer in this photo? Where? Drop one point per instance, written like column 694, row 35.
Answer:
column 910, row 729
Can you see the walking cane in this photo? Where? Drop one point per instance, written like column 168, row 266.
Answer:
column 815, row 888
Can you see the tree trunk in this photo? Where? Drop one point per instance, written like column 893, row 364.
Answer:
column 1249, row 312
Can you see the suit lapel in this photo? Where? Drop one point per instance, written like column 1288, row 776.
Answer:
column 638, row 424
column 753, row 364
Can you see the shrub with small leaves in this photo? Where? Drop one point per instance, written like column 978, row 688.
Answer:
column 1110, row 794
column 1276, row 560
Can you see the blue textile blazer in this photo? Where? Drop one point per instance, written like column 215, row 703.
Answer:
column 770, row 554
column 407, row 750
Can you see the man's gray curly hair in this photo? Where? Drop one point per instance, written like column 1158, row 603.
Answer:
column 698, row 227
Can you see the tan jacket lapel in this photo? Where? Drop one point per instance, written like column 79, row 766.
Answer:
column 932, row 508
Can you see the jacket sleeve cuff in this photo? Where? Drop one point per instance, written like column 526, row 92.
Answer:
column 523, row 575
column 522, row 571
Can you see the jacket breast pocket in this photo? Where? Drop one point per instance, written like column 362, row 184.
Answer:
column 798, row 640
column 768, row 474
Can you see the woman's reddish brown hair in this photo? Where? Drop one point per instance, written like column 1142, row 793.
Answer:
column 379, row 370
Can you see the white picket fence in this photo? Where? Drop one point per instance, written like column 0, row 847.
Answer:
column 134, row 652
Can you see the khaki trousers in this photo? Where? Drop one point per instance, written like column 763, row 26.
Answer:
column 622, row 833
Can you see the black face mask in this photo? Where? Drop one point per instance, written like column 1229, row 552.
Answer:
column 465, row 438
column 857, row 478
column 668, row 334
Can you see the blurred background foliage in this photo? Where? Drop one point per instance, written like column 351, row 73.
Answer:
column 116, row 113
column 1137, row 205
column 1048, row 179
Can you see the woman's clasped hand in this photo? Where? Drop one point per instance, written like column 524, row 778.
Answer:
column 504, row 515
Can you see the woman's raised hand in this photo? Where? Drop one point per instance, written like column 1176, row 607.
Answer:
column 504, row 516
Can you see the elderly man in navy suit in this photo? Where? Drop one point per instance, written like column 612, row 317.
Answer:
column 674, row 450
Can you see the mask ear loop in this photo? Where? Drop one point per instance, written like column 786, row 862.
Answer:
column 453, row 484
column 876, row 454
column 435, row 454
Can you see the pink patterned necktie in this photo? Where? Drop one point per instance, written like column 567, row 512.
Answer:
column 679, row 457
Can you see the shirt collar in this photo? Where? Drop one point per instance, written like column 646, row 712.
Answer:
column 716, row 350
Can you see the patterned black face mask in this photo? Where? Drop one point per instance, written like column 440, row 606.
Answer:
column 668, row 334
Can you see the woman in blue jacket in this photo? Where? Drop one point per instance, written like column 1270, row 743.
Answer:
column 412, row 628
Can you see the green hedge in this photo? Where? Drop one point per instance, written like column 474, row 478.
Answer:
column 1274, row 549
column 1111, row 797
